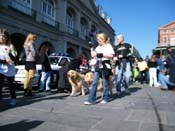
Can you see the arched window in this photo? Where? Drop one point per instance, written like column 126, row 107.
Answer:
column 48, row 13
column 83, row 27
column 48, row 9
column 70, row 17
column 92, row 32
column 70, row 21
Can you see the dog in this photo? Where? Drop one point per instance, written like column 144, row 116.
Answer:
column 89, row 79
column 77, row 83
column 89, row 76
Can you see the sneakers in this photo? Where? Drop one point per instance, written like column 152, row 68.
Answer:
column 103, row 102
column 91, row 103
column 88, row 103
column 13, row 102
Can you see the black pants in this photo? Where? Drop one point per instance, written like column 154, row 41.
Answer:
column 143, row 76
column 11, row 86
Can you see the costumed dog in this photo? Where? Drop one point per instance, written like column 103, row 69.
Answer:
column 77, row 82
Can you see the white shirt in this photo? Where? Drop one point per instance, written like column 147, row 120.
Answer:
column 6, row 69
column 105, row 49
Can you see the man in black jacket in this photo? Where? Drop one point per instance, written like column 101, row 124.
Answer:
column 123, row 52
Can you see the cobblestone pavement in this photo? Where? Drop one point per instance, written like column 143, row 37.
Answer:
column 145, row 109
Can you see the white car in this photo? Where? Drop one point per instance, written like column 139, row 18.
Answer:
column 56, row 63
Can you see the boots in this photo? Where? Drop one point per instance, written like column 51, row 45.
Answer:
column 27, row 92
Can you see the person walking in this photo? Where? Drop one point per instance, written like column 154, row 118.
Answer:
column 46, row 73
column 143, row 69
column 7, row 67
column 30, row 63
column 102, row 53
column 152, row 66
column 171, row 67
column 123, row 65
column 164, row 81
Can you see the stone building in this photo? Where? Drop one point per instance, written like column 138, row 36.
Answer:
column 66, row 25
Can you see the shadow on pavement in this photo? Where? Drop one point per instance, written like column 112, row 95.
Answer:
column 123, row 94
column 23, row 125
column 22, row 101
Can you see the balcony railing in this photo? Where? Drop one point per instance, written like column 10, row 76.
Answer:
column 72, row 31
column 163, row 44
column 82, row 36
column 22, row 8
column 49, row 21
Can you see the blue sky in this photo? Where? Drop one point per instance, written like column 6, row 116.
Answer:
column 139, row 20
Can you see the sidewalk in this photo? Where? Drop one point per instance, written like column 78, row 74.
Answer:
column 146, row 109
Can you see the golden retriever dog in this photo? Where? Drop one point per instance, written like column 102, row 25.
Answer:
column 77, row 82
column 89, row 79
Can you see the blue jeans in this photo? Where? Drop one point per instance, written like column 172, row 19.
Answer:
column 164, row 81
column 45, row 80
column 125, row 74
column 93, row 91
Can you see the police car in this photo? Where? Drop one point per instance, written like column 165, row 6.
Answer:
column 56, row 63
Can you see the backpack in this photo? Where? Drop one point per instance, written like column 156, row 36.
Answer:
column 22, row 57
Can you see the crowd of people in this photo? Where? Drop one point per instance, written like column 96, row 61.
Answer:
column 155, row 71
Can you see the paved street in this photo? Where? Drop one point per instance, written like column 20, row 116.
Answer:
column 146, row 109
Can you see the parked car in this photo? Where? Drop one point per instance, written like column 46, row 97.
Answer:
column 56, row 63
column 59, row 60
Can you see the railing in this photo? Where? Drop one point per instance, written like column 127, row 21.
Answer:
column 22, row 8
column 49, row 21
column 82, row 36
column 163, row 44
column 72, row 31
